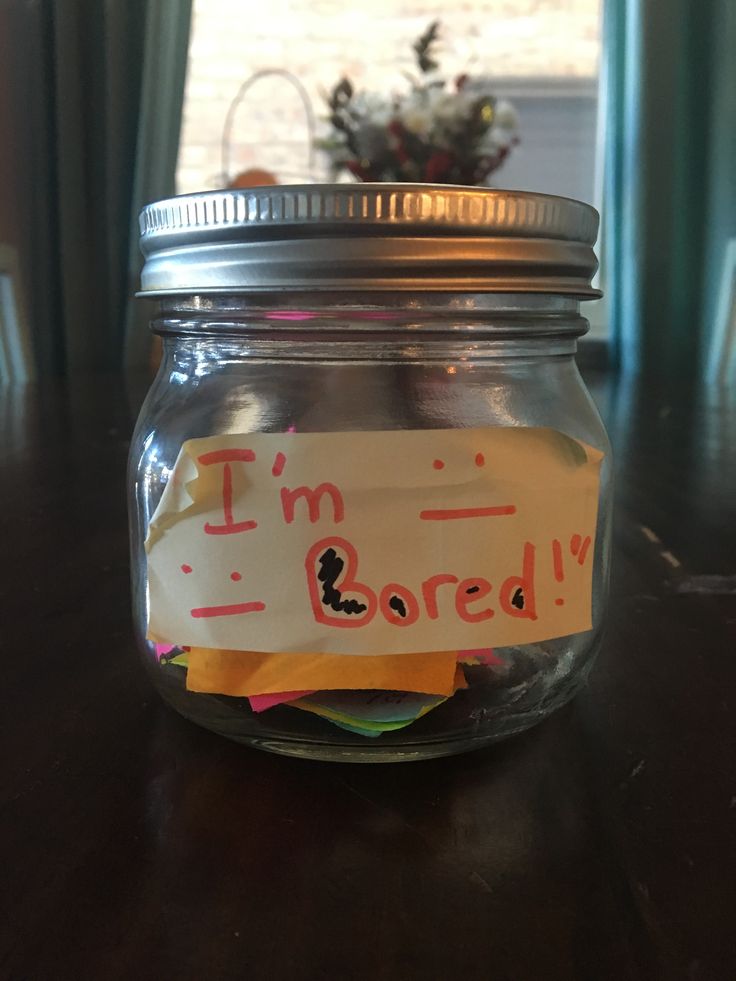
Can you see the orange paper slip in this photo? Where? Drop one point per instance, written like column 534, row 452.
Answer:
column 244, row 673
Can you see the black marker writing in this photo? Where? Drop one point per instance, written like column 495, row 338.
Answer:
column 331, row 566
column 398, row 606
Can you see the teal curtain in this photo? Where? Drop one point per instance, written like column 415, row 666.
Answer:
column 114, row 73
column 669, row 196
column 159, row 124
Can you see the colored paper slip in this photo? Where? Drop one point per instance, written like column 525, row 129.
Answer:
column 366, row 726
column 370, row 713
column 370, row 733
column 259, row 703
column 374, row 706
column 381, row 706
column 248, row 673
column 483, row 656
column 357, row 722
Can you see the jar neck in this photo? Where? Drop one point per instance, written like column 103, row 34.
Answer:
column 492, row 315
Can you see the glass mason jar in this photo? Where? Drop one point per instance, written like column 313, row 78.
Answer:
column 389, row 539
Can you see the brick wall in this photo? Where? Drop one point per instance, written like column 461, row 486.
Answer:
column 320, row 40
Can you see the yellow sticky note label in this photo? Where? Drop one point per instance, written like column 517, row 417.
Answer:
column 374, row 543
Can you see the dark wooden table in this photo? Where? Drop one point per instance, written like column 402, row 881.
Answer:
column 599, row 846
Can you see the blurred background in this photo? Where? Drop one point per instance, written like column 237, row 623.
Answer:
column 627, row 104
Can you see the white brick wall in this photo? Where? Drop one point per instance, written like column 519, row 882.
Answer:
column 320, row 40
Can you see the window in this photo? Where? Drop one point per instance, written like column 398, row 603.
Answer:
column 543, row 55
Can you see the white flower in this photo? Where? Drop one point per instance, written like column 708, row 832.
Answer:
column 416, row 119
column 372, row 108
column 505, row 116
column 453, row 108
column 415, row 112
column 495, row 139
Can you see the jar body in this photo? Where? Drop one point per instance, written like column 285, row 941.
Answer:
column 231, row 366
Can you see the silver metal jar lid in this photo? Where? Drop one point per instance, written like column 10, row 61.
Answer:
column 368, row 237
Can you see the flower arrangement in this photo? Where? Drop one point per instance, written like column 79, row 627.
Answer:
column 457, row 133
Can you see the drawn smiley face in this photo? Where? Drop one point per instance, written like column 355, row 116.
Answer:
column 226, row 609
column 448, row 514
column 480, row 461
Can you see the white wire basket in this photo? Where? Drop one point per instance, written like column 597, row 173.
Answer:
column 309, row 173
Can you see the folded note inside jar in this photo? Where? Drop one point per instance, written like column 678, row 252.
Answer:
column 245, row 673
